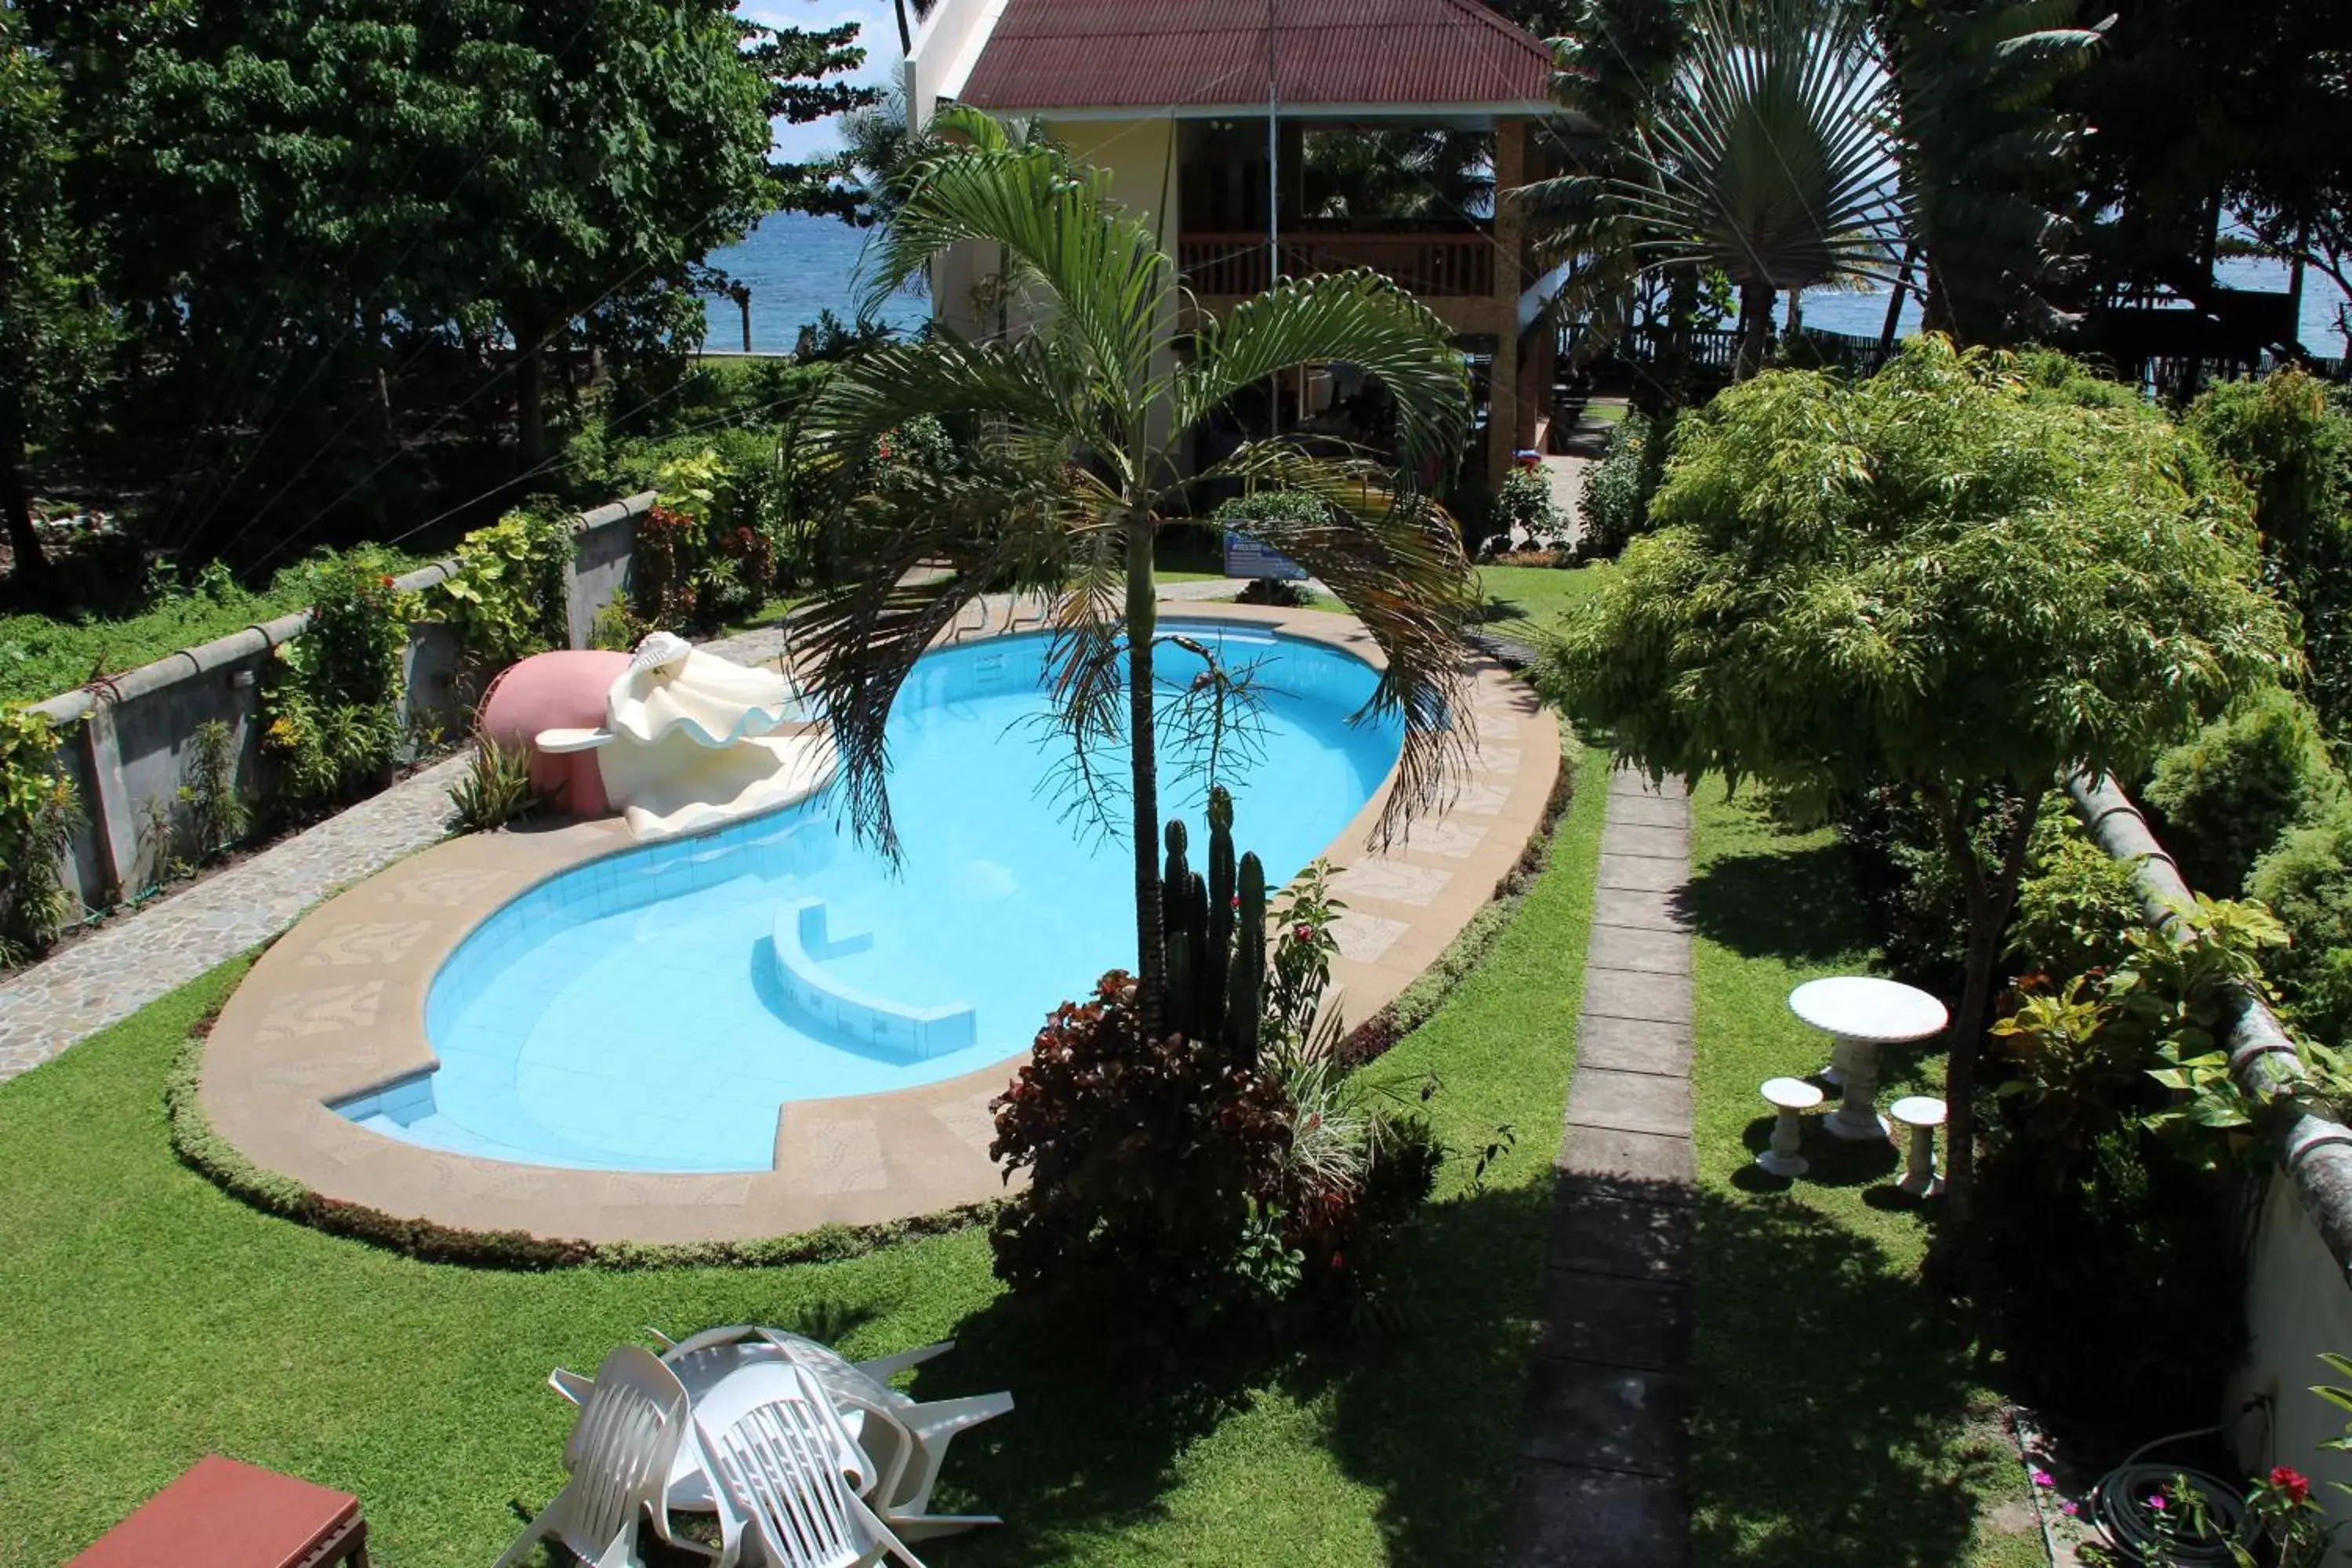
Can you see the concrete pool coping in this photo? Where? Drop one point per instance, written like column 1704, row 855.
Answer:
column 335, row 1010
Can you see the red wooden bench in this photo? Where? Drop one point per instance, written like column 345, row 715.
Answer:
column 225, row 1514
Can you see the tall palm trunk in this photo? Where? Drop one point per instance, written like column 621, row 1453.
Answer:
column 1142, row 625
column 1754, row 328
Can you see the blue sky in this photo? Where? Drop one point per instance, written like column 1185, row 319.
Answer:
column 879, row 36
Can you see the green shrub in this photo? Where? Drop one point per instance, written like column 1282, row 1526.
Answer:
column 331, row 695
column 1615, row 505
column 1297, row 508
column 38, row 812
column 494, row 789
column 505, row 600
column 2291, row 446
column 2076, row 906
column 2306, row 880
column 1523, row 501
column 213, row 814
column 2227, row 796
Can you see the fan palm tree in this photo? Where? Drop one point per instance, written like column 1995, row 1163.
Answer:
column 1983, row 153
column 1766, row 154
column 1078, row 417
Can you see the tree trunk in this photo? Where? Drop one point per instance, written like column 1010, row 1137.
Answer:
column 1142, row 625
column 530, row 397
column 1755, row 330
column 1894, row 299
column 16, row 501
column 1990, row 902
column 906, row 33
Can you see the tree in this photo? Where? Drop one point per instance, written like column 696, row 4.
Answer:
column 53, row 333
column 1964, row 576
column 1984, row 154
column 1074, row 424
column 1761, row 155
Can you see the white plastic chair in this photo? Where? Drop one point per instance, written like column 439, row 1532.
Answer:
column 786, row 1474
column 633, row 1421
column 906, row 1441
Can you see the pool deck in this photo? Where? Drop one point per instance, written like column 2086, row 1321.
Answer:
column 336, row 1008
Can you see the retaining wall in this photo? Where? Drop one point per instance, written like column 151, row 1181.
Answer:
column 125, row 740
column 2298, row 1290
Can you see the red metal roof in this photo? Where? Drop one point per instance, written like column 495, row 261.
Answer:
column 1160, row 54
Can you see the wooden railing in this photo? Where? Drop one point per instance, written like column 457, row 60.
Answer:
column 1436, row 266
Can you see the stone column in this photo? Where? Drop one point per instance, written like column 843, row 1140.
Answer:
column 1506, row 417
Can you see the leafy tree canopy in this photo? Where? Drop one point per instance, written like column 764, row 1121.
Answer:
column 1954, row 569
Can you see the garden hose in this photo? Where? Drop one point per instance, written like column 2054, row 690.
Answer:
column 2120, row 1505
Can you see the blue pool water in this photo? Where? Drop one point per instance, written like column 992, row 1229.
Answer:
column 637, row 1014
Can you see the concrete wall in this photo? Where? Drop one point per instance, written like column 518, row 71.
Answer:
column 125, row 742
column 2299, row 1267
column 2298, row 1304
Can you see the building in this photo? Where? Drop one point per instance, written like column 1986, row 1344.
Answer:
column 1199, row 107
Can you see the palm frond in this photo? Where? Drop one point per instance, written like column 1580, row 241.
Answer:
column 991, row 527
column 1358, row 317
column 1397, row 562
column 1021, row 383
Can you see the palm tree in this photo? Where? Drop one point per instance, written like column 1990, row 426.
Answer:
column 1984, row 156
column 1765, row 155
column 1078, row 417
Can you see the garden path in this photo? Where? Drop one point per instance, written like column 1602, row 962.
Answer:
column 135, row 958
column 1602, row 1451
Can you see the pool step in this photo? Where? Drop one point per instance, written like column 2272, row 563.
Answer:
column 850, row 1018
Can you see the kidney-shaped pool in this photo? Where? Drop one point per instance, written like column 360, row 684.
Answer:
column 652, row 1010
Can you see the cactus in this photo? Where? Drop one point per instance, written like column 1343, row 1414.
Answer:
column 1246, row 988
column 1180, row 983
column 1221, row 878
column 1207, row 1007
column 1172, row 880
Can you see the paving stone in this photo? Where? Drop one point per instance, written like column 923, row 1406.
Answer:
column 1643, row 873
column 1640, row 1166
column 1595, row 1235
column 1638, row 994
column 1649, row 811
column 1626, row 782
column 1571, row 1516
column 1615, row 1322
column 1632, row 1045
column 1630, row 1101
column 1642, row 910
column 1609, row 1418
column 1632, row 838
column 1631, row 947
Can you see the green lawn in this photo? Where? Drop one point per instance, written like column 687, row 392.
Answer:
column 1523, row 602
column 41, row 657
column 151, row 1319
column 1840, row 1414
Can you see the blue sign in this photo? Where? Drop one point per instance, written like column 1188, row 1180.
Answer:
column 1248, row 558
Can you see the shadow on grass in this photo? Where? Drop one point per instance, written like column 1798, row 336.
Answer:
column 1421, row 1405
column 1796, row 905
column 1834, row 1422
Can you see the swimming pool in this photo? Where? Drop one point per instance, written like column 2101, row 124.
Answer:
column 652, row 1010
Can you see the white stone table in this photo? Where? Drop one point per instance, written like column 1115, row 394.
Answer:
column 1861, row 1013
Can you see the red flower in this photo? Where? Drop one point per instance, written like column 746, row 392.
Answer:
column 1237, row 900
column 2293, row 1482
column 388, row 582
column 1303, row 933
column 1338, row 1263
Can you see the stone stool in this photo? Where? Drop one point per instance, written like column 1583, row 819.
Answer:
column 1923, row 1114
column 1789, row 1097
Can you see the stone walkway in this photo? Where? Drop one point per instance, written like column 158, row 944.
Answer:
column 139, row 957
column 136, row 958
column 1602, row 1451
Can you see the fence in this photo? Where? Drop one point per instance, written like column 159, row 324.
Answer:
column 2298, row 1297
column 126, row 736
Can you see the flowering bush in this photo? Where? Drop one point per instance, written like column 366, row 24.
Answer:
column 1523, row 504
column 507, row 598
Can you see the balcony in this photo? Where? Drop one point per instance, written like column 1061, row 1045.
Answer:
column 1436, row 265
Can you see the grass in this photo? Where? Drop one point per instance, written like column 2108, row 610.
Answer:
column 154, row 1319
column 41, row 656
column 1841, row 1418
column 1524, row 602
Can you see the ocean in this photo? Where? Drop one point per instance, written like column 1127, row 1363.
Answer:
column 796, row 268
column 1864, row 315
